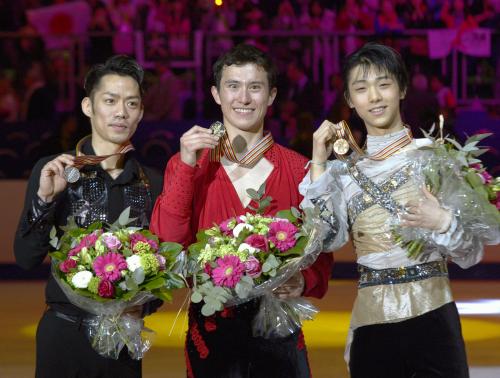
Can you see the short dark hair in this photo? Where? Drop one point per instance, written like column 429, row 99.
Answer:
column 382, row 57
column 243, row 54
column 121, row 65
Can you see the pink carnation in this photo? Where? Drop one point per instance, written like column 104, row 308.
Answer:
column 228, row 271
column 109, row 266
column 486, row 177
column 112, row 242
column 67, row 265
column 253, row 267
column 226, row 228
column 87, row 241
column 106, row 289
column 258, row 241
column 282, row 234
column 138, row 237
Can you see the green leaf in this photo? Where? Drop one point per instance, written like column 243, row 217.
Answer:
column 163, row 294
column 473, row 179
column 124, row 217
column 129, row 295
column 57, row 255
column 295, row 212
column 154, row 284
column 286, row 214
column 262, row 189
column 253, row 194
column 207, row 310
column 170, row 248
column 196, row 297
column 297, row 249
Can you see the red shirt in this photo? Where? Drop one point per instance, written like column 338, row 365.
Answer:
column 195, row 198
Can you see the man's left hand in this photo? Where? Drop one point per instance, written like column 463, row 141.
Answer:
column 293, row 288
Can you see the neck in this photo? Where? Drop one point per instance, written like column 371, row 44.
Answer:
column 107, row 148
column 378, row 131
column 242, row 141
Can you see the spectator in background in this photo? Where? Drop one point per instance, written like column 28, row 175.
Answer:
column 286, row 18
column 39, row 98
column 179, row 29
column 351, row 18
column 387, row 20
column 101, row 46
column 302, row 91
column 420, row 106
column 162, row 102
column 445, row 97
column 122, row 15
column 9, row 103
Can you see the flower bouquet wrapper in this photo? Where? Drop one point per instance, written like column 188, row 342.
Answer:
column 460, row 190
column 276, row 317
column 108, row 329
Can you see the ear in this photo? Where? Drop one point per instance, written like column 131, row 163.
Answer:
column 402, row 95
column 87, row 107
column 272, row 96
column 215, row 94
column 348, row 100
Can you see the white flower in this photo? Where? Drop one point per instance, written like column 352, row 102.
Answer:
column 133, row 262
column 240, row 227
column 81, row 279
column 247, row 247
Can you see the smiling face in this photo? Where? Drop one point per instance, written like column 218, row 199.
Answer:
column 244, row 96
column 115, row 109
column 375, row 94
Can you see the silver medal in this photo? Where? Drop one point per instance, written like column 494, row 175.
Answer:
column 218, row 129
column 71, row 174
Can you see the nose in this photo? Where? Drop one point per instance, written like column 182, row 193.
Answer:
column 244, row 96
column 374, row 94
column 121, row 111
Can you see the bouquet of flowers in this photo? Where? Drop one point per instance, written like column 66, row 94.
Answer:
column 107, row 269
column 248, row 256
column 477, row 192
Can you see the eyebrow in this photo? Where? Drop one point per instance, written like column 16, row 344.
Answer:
column 234, row 81
column 117, row 95
column 378, row 78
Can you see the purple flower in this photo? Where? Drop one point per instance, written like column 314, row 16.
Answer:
column 161, row 260
column 228, row 271
column 109, row 266
column 67, row 265
column 282, row 234
column 253, row 267
column 106, row 289
column 112, row 242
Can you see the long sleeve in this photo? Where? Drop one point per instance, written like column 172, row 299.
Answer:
column 171, row 218
column 316, row 277
column 31, row 243
column 325, row 194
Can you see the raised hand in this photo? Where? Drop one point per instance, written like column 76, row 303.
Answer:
column 52, row 181
column 322, row 147
column 194, row 141
column 427, row 213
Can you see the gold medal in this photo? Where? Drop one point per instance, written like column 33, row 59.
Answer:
column 217, row 129
column 341, row 146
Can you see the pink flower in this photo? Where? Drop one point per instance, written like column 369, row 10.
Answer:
column 227, row 226
column 228, row 272
column 67, row 265
column 109, row 266
column 208, row 268
column 486, row 177
column 497, row 201
column 112, row 242
column 476, row 166
column 106, row 289
column 137, row 237
column 252, row 266
column 282, row 234
column 258, row 241
column 87, row 241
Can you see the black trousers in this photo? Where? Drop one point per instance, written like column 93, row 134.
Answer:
column 222, row 346
column 428, row 346
column 64, row 351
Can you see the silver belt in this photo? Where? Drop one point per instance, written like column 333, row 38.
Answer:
column 391, row 276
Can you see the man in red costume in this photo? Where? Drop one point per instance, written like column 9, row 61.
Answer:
column 206, row 183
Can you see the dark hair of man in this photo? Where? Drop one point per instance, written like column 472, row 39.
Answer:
column 374, row 55
column 121, row 65
column 243, row 54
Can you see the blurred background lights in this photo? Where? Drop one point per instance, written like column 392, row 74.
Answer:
column 218, row 2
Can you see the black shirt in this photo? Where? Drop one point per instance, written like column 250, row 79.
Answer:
column 96, row 196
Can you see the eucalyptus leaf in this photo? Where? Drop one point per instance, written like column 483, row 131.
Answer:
column 207, row 310
column 252, row 193
column 196, row 297
column 138, row 275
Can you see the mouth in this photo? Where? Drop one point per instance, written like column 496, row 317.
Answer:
column 377, row 110
column 243, row 110
column 118, row 126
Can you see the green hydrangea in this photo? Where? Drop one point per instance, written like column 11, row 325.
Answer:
column 69, row 277
column 100, row 247
column 210, row 254
column 94, row 285
column 149, row 263
column 142, row 247
column 122, row 235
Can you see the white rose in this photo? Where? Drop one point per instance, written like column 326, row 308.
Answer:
column 81, row 279
column 247, row 247
column 240, row 227
column 133, row 262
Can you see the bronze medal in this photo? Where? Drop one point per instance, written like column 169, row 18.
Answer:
column 217, row 129
column 71, row 174
column 341, row 146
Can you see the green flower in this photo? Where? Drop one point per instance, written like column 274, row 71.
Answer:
column 93, row 285
column 149, row 263
column 100, row 247
column 142, row 247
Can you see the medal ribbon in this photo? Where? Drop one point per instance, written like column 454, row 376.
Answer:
column 252, row 156
column 82, row 160
column 393, row 147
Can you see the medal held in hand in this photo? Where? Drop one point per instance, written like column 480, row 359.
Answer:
column 217, row 129
column 341, row 146
column 71, row 174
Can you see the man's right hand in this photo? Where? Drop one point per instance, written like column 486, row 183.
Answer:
column 194, row 141
column 322, row 147
column 52, row 181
